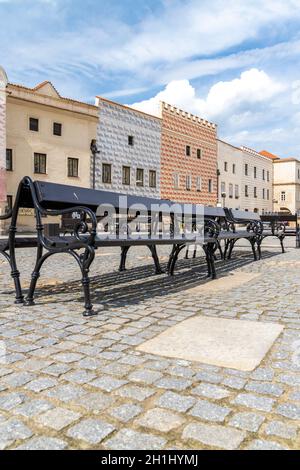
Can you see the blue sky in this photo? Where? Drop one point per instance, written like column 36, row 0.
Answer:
column 234, row 62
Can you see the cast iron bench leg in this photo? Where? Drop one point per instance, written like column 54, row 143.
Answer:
column 124, row 251
column 154, row 254
column 281, row 243
column 208, row 263
column 15, row 274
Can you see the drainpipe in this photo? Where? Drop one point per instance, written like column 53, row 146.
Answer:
column 94, row 152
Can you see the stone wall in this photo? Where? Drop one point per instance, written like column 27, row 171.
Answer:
column 116, row 123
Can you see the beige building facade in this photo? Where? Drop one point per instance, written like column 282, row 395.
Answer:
column 48, row 138
column 287, row 185
column 245, row 179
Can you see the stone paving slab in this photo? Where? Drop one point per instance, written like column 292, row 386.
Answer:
column 239, row 344
column 68, row 382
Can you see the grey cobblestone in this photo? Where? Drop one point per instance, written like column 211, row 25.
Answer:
column 254, row 401
column 134, row 392
column 265, row 388
column 92, row 431
column 98, row 373
column 211, row 391
column 43, row 443
column 214, row 435
column 160, row 420
column 57, row 418
column 128, row 439
column 265, row 445
column 209, row 411
column 41, row 384
column 173, row 383
column 289, row 410
column 126, row 412
column 247, row 421
column 280, row 429
column 176, row 402
column 108, row 383
column 32, row 408
column 145, row 376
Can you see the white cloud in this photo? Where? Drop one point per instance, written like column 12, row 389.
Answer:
column 224, row 98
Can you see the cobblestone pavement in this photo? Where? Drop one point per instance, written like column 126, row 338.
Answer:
column 72, row 382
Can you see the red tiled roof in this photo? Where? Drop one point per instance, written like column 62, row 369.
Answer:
column 267, row 154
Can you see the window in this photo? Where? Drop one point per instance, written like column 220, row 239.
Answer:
column 263, row 193
column 255, row 172
column 106, row 173
column 57, row 128
column 223, row 187
column 73, row 167
column 33, row 124
column 210, row 186
column 188, row 182
column 40, row 163
column 139, row 177
column 298, row 173
column 255, row 191
column 225, row 166
column 188, row 150
column 199, row 153
column 9, row 200
column 246, row 169
column 263, row 174
column 230, row 190
column 130, row 140
column 152, row 178
column 282, row 196
column 198, row 183
column 176, row 181
column 233, row 168
column 268, row 194
column 268, row 176
column 126, row 175
column 246, row 191
column 236, row 191
column 9, row 159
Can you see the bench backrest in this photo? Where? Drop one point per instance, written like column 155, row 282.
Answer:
column 243, row 216
column 274, row 218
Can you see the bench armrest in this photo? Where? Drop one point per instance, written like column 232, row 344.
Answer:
column 212, row 228
column 6, row 216
column 82, row 226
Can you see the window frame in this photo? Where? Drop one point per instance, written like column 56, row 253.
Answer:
column 140, row 182
column 126, row 182
column 73, row 160
column 38, row 165
column 130, row 140
column 151, row 174
column 104, row 167
column 11, row 167
column 53, row 129
column 31, row 120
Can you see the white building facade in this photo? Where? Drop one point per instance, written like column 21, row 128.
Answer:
column 230, row 175
column 287, row 185
column 257, row 182
column 245, row 179
column 128, row 142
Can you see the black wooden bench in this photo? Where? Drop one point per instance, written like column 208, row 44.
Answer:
column 281, row 225
column 50, row 199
